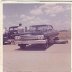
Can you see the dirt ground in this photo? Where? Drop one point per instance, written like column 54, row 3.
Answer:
column 55, row 58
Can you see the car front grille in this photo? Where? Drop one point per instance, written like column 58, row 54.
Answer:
column 31, row 37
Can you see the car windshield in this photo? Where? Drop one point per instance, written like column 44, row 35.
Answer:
column 13, row 29
column 41, row 28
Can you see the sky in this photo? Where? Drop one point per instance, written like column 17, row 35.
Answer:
column 58, row 15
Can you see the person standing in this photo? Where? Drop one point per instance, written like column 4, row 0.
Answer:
column 20, row 29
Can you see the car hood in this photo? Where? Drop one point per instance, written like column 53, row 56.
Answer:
column 33, row 33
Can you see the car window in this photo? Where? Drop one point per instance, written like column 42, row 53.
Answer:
column 32, row 28
column 13, row 29
column 49, row 27
column 42, row 28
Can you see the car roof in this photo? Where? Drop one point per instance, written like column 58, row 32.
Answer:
column 13, row 27
column 39, row 25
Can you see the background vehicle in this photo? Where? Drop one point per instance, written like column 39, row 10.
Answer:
column 37, row 34
column 12, row 32
column 8, row 36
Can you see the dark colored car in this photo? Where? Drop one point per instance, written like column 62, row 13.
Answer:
column 12, row 32
column 7, row 37
column 37, row 34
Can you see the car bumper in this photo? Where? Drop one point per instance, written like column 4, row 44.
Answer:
column 32, row 42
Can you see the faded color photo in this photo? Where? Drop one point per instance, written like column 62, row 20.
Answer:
column 37, row 37
column 37, row 0
column 23, row 0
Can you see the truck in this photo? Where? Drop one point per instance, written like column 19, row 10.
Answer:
column 43, row 35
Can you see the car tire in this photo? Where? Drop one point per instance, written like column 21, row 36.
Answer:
column 51, row 40
column 22, row 46
column 46, row 45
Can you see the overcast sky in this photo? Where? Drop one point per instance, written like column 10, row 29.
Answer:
column 58, row 15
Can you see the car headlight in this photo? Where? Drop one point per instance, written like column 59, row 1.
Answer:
column 17, row 37
column 40, row 37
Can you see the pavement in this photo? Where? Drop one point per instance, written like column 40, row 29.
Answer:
column 55, row 58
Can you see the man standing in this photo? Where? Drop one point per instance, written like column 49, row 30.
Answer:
column 20, row 29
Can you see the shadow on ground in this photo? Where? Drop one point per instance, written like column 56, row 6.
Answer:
column 34, row 48
column 40, row 47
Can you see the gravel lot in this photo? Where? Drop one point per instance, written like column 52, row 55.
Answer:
column 55, row 58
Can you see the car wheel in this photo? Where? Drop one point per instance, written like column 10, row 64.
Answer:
column 46, row 45
column 13, row 42
column 22, row 46
column 51, row 40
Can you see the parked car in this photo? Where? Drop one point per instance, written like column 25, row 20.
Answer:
column 37, row 34
column 8, row 36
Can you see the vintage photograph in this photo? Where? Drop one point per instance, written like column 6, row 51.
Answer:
column 36, row 37
column 23, row 0
column 40, row 0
